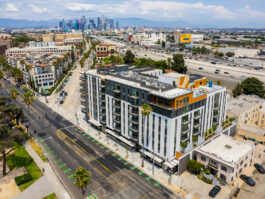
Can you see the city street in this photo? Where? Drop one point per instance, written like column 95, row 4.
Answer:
column 111, row 176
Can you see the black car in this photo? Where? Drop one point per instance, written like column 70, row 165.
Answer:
column 248, row 180
column 65, row 93
column 214, row 191
column 61, row 102
column 260, row 168
column 236, row 192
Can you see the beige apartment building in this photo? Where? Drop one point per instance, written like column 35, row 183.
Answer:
column 50, row 37
column 249, row 111
column 225, row 157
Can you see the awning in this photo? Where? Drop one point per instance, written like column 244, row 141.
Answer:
column 150, row 155
column 121, row 138
column 171, row 164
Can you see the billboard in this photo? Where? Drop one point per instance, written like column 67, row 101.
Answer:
column 185, row 38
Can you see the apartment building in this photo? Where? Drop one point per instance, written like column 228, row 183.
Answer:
column 40, row 68
column 38, row 50
column 105, row 50
column 181, row 109
column 225, row 157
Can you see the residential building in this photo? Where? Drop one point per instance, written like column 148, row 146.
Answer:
column 38, row 50
column 249, row 113
column 225, row 157
column 105, row 50
column 183, row 108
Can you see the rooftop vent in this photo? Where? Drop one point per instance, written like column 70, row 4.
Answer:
column 228, row 146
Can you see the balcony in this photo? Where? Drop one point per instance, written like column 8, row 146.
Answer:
column 117, row 97
column 102, row 104
column 83, row 103
column 197, row 116
column 83, row 110
column 83, row 96
column 102, row 85
column 117, row 91
column 102, row 112
column 117, row 128
column 161, row 105
column 134, row 112
column 102, row 99
column 134, row 128
column 102, row 90
column 117, row 104
column 134, row 120
column 184, row 138
column 196, row 131
column 185, row 122
column 134, row 97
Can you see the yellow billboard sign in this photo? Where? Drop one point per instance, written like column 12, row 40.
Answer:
column 185, row 38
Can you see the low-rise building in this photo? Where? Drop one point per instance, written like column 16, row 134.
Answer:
column 244, row 52
column 105, row 50
column 249, row 112
column 225, row 157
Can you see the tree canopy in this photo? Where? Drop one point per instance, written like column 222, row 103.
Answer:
column 178, row 64
column 129, row 57
column 250, row 86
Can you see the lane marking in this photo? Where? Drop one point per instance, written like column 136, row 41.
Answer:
column 157, row 184
column 62, row 165
column 140, row 173
column 71, row 176
column 148, row 178
column 81, row 149
column 67, row 170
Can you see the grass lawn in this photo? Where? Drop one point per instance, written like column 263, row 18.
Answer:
column 38, row 149
column 21, row 158
column 51, row 196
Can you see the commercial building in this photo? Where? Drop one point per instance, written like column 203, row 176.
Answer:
column 246, row 52
column 183, row 108
column 196, row 38
column 225, row 157
column 105, row 50
column 185, row 38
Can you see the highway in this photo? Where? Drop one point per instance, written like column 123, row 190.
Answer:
column 235, row 76
column 69, row 148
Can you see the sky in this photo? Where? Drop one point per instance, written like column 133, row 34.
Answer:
column 223, row 13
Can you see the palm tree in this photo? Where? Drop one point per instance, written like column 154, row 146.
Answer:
column 1, row 77
column 22, row 61
column 145, row 110
column 28, row 68
column 82, row 177
column 28, row 99
column 169, row 60
column 13, row 94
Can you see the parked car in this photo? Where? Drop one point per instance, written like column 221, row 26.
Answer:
column 61, row 102
column 58, row 99
column 260, row 168
column 214, row 191
column 65, row 93
column 200, row 68
column 248, row 180
column 17, row 85
column 226, row 73
column 236, row 192
column 61, row 94
column 212, row 62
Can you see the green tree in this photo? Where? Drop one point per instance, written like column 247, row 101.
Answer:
column 237, row 90
column 220, row 54
column 1, row 77
column 183, row 145
column 194, row 166
column 28, row 98
column 169, row 62
column 163, row 44
column 82, row 177
column 9, row 135
column 203, row 50
column 13, row 94
column 129, row 57
column 230, row 54
column 219, row 83
column 252, row 86
column 145, row 110
column 178, row 64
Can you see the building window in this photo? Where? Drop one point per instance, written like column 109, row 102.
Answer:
column 245, row 165
column 223, row 168
column 241, row 162
column 240, row 170
column 232, row 179
column 165, row 138
column 159, row 133
column 203, row 158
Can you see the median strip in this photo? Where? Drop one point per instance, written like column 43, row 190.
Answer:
column 126, row 163
column 157, row 184
column 54, row 156
column 133, row 167
column 57, row 161
column 148, row 178
column 140, row 173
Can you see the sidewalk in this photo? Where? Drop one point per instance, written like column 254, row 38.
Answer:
column 47, row 184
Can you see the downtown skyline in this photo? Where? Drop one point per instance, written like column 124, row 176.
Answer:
column 204, row 13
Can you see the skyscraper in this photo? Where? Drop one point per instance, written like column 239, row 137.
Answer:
column 117, row 25
column 99, row 23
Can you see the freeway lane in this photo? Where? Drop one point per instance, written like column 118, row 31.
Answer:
column 111, row 176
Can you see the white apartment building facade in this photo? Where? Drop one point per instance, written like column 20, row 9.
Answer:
column 113, row 97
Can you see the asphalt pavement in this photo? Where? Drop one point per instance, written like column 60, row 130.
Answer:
column 68, row 148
